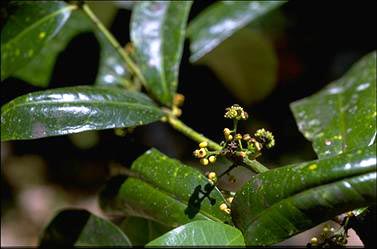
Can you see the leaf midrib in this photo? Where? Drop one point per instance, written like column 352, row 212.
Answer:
column 26, row 30
column 171, row 195
column 137, row 105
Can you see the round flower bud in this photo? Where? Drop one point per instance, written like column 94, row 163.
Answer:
column 230, row 199
column 212, row 159
column 229, row 138
column 203, row 144
column 223, row 207
column 196, row 153
column 314, row 241
column 226, row 132
column 238, row 136
column 204, row 161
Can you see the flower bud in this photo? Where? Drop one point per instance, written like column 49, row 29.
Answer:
column 223, row 207
column 238, row 136
column 226, row 132
column 203, row 144
column 246, row 137
column 230, row 199
column 314, row 241
column 212, row 159
column 204, row 161
column 229, row 138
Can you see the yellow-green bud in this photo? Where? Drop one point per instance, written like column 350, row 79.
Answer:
column 229, row 137
column 314, row 241
column 223, row 207
column 230, row 199
column 238, row 136
column 212, row 177
column 204, row 161
column 203, row 144
column 212, row 159
column 226, row 132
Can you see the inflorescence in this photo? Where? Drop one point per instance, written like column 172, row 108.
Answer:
column 236, row 146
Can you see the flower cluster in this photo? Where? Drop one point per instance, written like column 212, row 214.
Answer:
column 204, row 154
column 236, row 112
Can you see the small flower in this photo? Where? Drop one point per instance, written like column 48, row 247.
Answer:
column 204, row 161
column 314, row 241
column 203, row 144
column 246, row 137
column 212, row 177
column 200, row 153
column 230, row 199
column 236, row 112
column 229, row 138
column 238, row 136
column 265, row 137
column 224, row 208
column 212, row 159
column 226, row 132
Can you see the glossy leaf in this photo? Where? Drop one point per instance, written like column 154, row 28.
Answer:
column 111, row 71
column 341, row 117
column 28, row 28
column 78, row 227
column 158, row 32
column 282, row 202
column 201, row 233
column 164, row 190
column 74, row 109
column 141, row 231
column 221, row 20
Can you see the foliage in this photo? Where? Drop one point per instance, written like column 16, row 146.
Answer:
column 274, row 205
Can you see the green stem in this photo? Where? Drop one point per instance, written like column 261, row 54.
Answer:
column 113, row 42
column 187, row 131
column 254, row 165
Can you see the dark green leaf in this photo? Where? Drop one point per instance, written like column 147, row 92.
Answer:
column 158, row 32
column 74, row 109
column 112, row 69
column 201, row 233
column 221, row 20
column 78, row 227
column 164, row 190
column 29, row 26
column 141, row 231
column 282, row 202
column 342, row 117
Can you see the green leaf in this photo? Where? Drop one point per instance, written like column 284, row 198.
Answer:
column 164, row 190
column 247, row 65
column 158, row 32
column 74, row 109
column 221, row 20
column 140, row 231
column 29, row 26
column 201, row 233
column 112, row 69
column 282, row 202
column 341, row 117
column 78, row 227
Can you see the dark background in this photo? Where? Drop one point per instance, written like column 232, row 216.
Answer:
column 320, row 41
